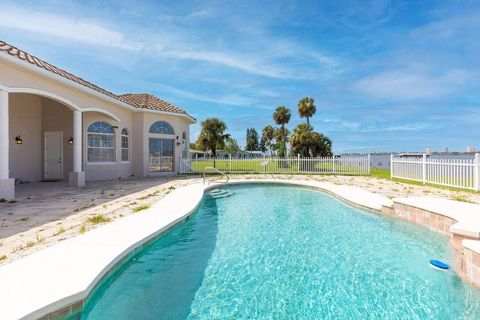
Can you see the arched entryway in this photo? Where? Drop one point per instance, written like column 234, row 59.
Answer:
column 40, row 139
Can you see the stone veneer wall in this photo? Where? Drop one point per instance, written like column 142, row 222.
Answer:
column 65, row 312
column 466, row 262
column 425, row 218
column 471, row 266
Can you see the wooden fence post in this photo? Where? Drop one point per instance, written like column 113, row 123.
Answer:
column 333, row 164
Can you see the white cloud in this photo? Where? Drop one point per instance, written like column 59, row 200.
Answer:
column 174, row 39
column 64, row 27
column 453, row 29
column 411, row 83
column 233, row 100
column 245, row 63
column 342, row 125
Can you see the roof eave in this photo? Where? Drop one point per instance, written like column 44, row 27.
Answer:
column 36, row 69
column 191, row 119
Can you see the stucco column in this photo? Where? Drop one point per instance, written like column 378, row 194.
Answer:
column 77, row 176
column 7, row 185
column 77, row 141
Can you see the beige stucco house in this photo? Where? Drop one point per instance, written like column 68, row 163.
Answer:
column 56, row 126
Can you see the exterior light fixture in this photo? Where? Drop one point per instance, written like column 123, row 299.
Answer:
column 178, row 143
column 18, row 140
column 70, row 141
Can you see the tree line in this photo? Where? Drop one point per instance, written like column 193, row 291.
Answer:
column 303, row 141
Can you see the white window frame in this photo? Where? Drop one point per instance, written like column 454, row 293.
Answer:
column 124, row 135
column 100, row 162
column 167, row 127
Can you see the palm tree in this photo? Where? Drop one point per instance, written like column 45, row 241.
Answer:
column 212, row 135
column 308, row 143
column 301, row 140
column 252, row 140
column 281, row 116
column 307, row 108
column 231, row 146
column 268, row 134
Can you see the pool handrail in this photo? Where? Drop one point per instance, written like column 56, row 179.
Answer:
column 215, row 169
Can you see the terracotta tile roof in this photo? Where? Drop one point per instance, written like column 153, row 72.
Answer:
column 141, row 101
column 148, row 101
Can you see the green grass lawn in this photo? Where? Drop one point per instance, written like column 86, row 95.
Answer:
column 380, row 173
column 385, row 174
column 291, row 166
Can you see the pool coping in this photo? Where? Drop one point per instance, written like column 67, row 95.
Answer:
column 459, row 221
column 56, row 280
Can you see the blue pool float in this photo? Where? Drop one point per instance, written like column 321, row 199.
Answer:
column 439, row 264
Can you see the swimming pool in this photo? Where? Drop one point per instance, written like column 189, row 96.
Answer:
column 275, row 251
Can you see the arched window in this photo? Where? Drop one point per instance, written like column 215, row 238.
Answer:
column 124, row 145
column 101, row 142
column 161, row 148
column 161, row 127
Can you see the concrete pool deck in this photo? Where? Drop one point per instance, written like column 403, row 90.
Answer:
column 58, row 279
column 48, row 213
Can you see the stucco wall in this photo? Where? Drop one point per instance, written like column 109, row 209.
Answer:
column 138, row 144
column 117, row 169
column 178, row 124
column 59, row 99
column 25, row 121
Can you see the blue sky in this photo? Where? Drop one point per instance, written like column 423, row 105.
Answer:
column 386, row 75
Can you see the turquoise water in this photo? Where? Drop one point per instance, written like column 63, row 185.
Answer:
column 283, row 252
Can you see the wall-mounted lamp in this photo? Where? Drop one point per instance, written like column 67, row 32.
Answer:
column 18, row 140
column 70, row 141
column 178, row 143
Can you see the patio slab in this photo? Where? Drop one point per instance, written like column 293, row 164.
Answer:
column 46, row 213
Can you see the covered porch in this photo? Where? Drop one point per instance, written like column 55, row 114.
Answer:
column 40, row 140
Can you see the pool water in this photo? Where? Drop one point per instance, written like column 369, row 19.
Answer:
column 285, row 252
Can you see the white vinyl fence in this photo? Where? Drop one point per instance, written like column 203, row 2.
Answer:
column 460, row 173
column 349, row 165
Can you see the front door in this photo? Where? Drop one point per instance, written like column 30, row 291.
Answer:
column 53, row 155
column 161, row 153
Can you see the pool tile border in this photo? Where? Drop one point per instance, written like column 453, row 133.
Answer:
column 460, row 226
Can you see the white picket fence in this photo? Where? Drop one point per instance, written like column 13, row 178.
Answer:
column 348, row 165
column 459, row 173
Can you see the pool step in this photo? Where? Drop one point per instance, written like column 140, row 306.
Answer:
column 220, row 193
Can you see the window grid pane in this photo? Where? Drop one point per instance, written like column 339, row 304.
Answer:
column 124, row 154
column 161, row 127
column 101, row 147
